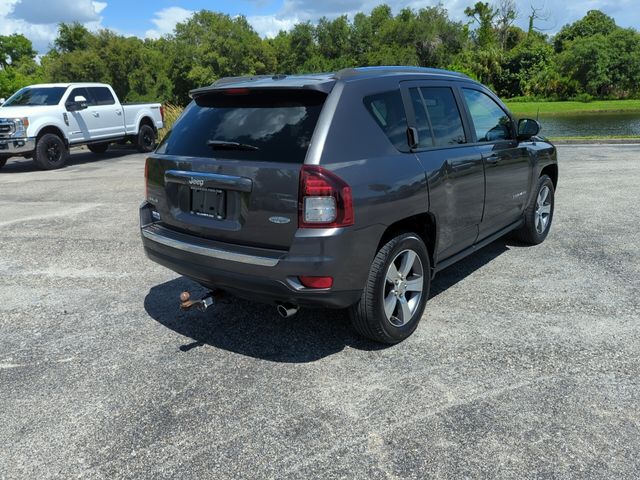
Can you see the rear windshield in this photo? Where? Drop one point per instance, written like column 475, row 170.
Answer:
column 260, row 125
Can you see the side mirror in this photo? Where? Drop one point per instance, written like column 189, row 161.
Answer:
column 78, row 103
column 2, row 100
column 528, row 128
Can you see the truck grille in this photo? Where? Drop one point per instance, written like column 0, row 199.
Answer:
column 7, row 128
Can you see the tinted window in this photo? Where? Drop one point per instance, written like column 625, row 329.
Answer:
column 491, row 123
column 269, row 126
column 102, row 96
column 36, row 96
column 80, row 92
column 387, row 110
column 422, row 122
column 444, row 116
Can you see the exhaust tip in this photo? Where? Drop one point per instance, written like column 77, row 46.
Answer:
column 286, row 310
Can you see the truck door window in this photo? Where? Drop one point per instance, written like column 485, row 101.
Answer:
column 444, row 116
column 491, row 123
column 102, row 96
column 82, row 92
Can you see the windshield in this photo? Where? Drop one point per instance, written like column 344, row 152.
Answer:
column 36, row 96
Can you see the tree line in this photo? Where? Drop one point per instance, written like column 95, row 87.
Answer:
column 590, row 58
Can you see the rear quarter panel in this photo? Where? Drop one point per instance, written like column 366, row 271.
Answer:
column 133, row 114
column 387, row 185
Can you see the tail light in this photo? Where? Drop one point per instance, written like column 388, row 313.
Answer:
column 324, row 199
column 162, row 113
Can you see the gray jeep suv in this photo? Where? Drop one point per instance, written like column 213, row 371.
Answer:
column 343, row 190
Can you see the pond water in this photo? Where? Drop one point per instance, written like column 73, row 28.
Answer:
column 591, row 124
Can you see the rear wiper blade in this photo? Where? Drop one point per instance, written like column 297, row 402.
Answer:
column 222, row 145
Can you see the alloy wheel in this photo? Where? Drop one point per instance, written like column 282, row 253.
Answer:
column 403, row 288
column 543, row 210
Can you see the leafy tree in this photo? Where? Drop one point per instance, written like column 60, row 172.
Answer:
column 593, row 23
column 71, row 37
column 14, row 48
column 483, row 14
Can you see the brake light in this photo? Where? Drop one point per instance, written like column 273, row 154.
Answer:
column 162, row 113
column 324, row 199
column 316, row 282
column 237, row 91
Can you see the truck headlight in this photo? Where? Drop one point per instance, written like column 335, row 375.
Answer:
column 21, row 126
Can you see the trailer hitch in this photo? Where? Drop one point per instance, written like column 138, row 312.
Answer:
column 205, row 302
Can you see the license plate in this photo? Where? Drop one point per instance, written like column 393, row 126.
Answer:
column 208, row 202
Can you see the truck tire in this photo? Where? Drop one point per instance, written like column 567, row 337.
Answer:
column 396, row 291
column 3, row 161
column 98, row 147
column 146, row 139
column 50, row 152
column 539, row 214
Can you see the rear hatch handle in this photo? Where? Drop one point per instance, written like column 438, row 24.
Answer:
column 209, row 180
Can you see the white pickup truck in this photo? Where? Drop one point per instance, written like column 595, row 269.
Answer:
column 44, row 121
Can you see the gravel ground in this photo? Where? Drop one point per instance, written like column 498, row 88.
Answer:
column 526, row 364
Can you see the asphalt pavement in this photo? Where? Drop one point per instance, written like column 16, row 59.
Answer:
column 526, row 364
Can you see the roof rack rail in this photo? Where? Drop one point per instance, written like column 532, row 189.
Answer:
column 352, row 72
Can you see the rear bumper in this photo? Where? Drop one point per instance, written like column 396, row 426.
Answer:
column 16, row 146
column 261, row 274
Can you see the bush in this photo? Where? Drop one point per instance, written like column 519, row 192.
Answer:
column 171, row 114
column 583, row 97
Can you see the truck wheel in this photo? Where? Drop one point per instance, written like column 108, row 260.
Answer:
column 539, row 214
column 51, row 152
column 396, row 291
column 146, row 139
column 3, row 161
column 98, row 147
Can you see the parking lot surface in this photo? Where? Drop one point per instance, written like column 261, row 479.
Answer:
column 526, row 364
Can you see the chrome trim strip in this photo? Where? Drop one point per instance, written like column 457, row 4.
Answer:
column 210, row 252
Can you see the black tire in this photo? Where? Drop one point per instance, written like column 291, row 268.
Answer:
column 51, row 152
column 536, row 228
column 3, row 161
column 98, row 147
column 368, row 315
column 146, row 139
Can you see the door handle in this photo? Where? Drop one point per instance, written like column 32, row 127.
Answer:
column 492, row 159
column 118, row 112
column 95, row 114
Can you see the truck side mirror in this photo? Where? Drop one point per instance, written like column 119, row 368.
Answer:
column 528, row 128
column 78, row 103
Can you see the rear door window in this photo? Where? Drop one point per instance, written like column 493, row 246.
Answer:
column 102, row 96
column 444, row 116
column 490, row 121
column 388, row 112
column 259, row 125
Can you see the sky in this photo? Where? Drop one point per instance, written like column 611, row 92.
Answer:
column 38, row 19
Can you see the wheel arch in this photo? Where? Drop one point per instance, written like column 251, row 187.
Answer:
column 55, row 131
column 423, row 224
column 552, row 171
column 146, row 120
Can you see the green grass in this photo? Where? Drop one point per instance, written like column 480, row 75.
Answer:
column 596, row 137
column 530, row 109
